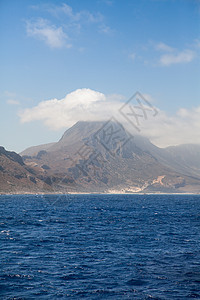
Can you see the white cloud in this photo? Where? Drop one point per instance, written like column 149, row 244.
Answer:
column 175, row 56
column 82, row 104
column 197, row 43
column 53, row 36
column 149, row 98
column 185, row 56
column 71, row 23
column 67, row 10
column 10, row 94
column 12, row 102
column 82, row 15
column 108, row 2
column 90, row 105
column 105, row 29
column 11, row 98
column 183, row 128
column 164, row 47
column 132, row 56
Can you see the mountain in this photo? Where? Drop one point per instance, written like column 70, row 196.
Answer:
column 16, row 177
column 104, row 157
column 31, row 151
column 187, row 156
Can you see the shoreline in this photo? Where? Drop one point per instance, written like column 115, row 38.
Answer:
column 93, row 193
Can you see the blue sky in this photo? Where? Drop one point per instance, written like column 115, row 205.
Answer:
column 50, row 49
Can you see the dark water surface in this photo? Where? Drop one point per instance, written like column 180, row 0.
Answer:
column 100, row 247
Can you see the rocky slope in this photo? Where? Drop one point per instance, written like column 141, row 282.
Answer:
column 104, row 157
column 16, row 177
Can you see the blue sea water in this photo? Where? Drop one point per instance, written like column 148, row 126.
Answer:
column 100, row 247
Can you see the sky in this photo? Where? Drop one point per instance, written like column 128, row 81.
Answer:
column 71, row 60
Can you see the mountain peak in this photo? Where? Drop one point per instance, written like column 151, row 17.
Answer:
column 83, row 129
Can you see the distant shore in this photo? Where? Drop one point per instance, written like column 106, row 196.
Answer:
column 95, row 193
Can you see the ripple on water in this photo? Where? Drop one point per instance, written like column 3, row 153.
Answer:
column 100, row 247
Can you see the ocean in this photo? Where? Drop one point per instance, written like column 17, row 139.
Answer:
column 100, row 247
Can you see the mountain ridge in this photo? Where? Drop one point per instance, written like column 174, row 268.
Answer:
column 137, row 165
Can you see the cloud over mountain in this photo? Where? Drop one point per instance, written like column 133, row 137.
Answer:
column 82, row 104
column 89, row 105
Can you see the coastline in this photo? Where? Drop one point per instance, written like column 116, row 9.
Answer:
column 93, row 193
